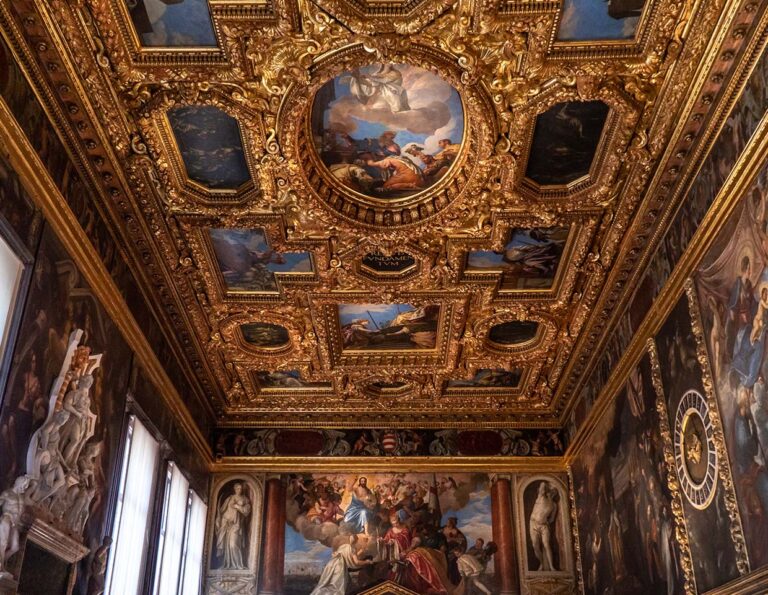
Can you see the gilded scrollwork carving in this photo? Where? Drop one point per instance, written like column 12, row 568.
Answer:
column 267, row 63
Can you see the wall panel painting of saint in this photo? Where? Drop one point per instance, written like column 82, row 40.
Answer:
column 584, row 20
column 248, row 264
column 172, row 23
column 732, row 288
column 530, row 259
column 211, row 146
column 388, row 326
column 430, row 533
column 387, row 131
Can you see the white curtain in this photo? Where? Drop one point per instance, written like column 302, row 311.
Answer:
column 132, row 514
column 168, row 568
column 10, row 276
column 193, row 552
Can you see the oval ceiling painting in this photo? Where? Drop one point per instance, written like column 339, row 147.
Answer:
column 265, row 335
column 387, row 131
column 513, row 332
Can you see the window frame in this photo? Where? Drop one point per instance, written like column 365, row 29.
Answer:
column 16, row 313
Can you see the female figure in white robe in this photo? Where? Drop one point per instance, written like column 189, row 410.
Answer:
column 335, row 577
column 230, row 529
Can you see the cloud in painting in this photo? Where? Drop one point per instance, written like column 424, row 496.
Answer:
column 428, row 97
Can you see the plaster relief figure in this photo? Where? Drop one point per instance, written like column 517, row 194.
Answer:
column 79, row 426
column 230, row 529
column 12, row 503
column 540, row 525
column 48, row 468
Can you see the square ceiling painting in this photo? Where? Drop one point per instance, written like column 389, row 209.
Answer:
column 285, row 379
column 487, row 378
column 565, row 140
column 172, row 23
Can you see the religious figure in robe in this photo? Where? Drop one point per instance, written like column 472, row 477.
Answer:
column 231, row 529
column 361, row 509
column 335, row 577
column 382, row 88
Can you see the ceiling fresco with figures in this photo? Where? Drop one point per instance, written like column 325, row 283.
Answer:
column 372, row 213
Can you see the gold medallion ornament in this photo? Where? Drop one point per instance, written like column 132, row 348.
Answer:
column 695, row 453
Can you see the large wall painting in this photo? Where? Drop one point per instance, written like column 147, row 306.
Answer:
column 624, row 506
column 732, row 287
column 248, row 263
column 388, row 131
column 388, row 326
column 530, row 259
column 710, row 523
column 565, row 140
column 430, row 533
column 172, row 23
column 584, row 20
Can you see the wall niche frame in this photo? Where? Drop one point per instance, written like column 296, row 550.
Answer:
column 220, row 576
column 562, row 578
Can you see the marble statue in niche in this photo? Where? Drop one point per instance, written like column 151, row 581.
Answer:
column 540, row 524
column 231, row 529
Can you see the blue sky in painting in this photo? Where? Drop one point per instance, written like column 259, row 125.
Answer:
column 584, row 20
column 183, row 24
column 303, row 552
column 381, row 313
column 474, row 519
column 253, row 240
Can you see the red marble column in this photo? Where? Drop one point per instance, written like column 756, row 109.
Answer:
column 505, row 560
column 274, row 538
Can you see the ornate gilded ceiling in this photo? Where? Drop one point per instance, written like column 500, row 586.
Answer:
column 368, row 213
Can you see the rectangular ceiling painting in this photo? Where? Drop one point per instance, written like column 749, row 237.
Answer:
column 388, row 326
column 585, row 20
column 172, row 23
column 530, row 259
column 247, row 262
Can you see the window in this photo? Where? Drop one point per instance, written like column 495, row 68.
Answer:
column 11, row 269
column 192, row 561
column 133, row 510
column 171, row 538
